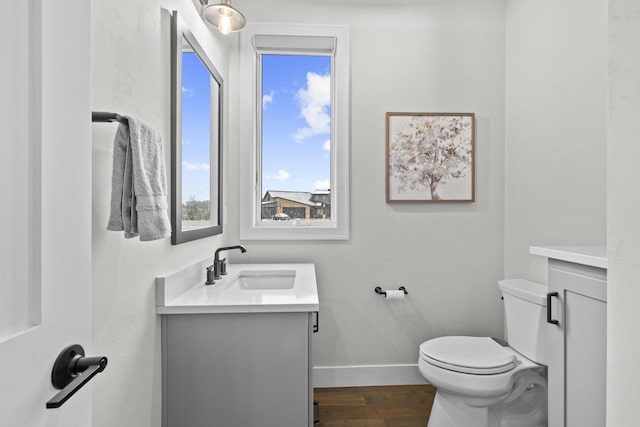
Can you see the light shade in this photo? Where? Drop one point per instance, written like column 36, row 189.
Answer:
column 224, row 17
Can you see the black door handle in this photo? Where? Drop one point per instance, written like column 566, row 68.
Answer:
column 549, row 319
column 71, row 371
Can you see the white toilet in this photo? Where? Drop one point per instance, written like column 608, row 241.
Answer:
column 483, row 382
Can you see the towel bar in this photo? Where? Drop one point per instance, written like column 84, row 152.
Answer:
column 105, row 117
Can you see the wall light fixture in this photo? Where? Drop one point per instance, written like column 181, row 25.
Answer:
column 223, row 16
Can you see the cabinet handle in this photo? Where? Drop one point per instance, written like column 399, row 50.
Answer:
column 549, row 319
column 316, row 326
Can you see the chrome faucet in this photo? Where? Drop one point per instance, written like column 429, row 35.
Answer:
column 219, row 267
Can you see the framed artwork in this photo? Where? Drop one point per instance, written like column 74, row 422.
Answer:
column 430, row 157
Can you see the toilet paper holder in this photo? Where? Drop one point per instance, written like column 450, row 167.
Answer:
column 379, row 290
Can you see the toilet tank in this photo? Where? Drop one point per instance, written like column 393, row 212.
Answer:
column 525, row 305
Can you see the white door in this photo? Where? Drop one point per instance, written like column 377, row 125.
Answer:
column 45, row 214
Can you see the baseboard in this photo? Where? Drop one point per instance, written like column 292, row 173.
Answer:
column 366, row 375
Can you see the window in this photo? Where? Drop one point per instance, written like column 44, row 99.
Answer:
column 294, row 149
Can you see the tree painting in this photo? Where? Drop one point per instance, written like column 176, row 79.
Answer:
column 428, row 153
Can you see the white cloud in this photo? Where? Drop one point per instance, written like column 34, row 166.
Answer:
column 267, row 99
column 327, row 145
column 187, row 91
column 315, row 101
column 322, row 184
column 195, row 166
column 282, row 175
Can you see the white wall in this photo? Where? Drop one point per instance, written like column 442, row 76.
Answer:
column 430, row 56
column 623, row 232
column 436, row 56
column 130, row 75
column 448, row 256
column 556, row 87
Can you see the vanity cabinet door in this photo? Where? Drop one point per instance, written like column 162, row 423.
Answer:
column 577, row 366
column 586, row 353
column 236, row 369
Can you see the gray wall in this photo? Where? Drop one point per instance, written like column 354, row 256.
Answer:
column 436, row 56
column 556, row 88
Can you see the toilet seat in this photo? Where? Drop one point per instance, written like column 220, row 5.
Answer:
column 468, row 355
column 454, row 371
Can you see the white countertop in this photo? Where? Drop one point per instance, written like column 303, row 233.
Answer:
column 184, row 291
column 594, row 256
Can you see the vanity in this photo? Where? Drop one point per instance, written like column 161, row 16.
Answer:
column 577, row 334
column 238, row 352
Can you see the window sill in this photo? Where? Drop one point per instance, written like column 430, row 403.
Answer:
column 295, row 230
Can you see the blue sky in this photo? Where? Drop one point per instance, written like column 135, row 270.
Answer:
column 196, row 123
column 296, row 122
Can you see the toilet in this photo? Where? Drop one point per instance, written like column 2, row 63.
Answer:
column 487, row 382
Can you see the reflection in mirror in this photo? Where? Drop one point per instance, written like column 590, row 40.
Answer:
column 197, row 93
column 196, row 145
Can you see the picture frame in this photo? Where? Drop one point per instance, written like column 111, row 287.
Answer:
column 430, row 157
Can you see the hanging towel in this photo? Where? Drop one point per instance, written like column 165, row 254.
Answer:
column 138, row 183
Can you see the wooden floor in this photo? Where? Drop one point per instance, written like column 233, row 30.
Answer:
column 387, row 406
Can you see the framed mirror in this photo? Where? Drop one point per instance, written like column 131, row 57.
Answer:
column 196, row 138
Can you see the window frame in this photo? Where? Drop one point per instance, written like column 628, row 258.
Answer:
column 305, row 38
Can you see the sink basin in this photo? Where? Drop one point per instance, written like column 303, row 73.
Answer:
column 264, row 280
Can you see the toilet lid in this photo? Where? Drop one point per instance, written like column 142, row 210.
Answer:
column 471, row 355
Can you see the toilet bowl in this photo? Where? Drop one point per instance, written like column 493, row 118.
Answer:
column 484, row 382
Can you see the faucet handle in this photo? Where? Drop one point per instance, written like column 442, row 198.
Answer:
column 210, row 278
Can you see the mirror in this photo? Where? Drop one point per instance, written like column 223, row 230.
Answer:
column 196, row 139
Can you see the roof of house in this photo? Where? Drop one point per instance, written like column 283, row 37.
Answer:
column 302, row 197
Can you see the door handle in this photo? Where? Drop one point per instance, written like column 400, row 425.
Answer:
column 71, row 371
column 549, row 319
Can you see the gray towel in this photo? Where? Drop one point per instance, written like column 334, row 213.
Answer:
column 138, row 183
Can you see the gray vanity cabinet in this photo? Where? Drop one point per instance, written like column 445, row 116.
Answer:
column 237, row 369
column 577, row 344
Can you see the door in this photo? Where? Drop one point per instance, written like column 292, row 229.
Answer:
column 45, row 215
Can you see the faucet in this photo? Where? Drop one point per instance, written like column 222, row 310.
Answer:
column 219, row 267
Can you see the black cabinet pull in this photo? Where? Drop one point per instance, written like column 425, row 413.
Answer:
column 316, row 326
column 549, row 319
column 71, row 371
